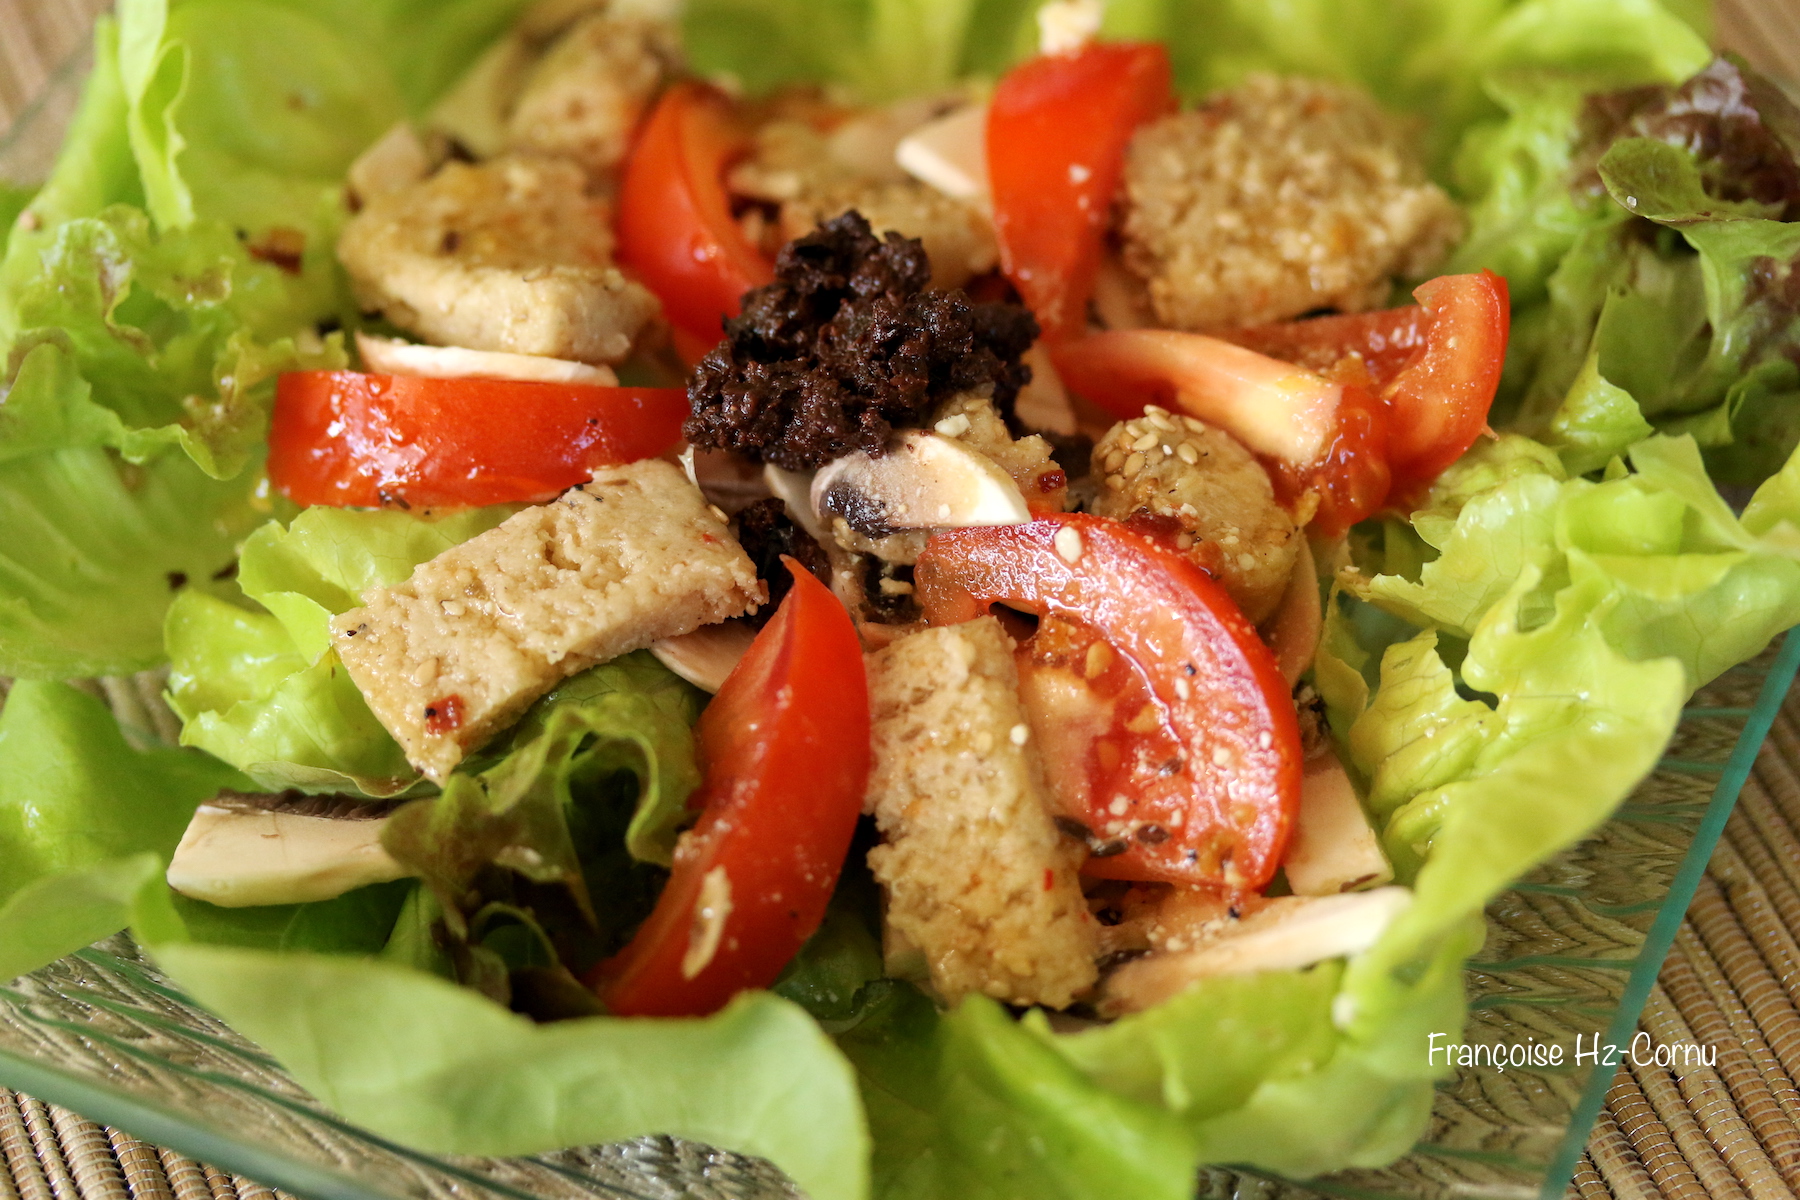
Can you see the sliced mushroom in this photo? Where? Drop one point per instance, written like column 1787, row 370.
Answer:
column 707, row 655
column 1334, row 848
column 924, row 481
column 1294, row 628
column 868, row 143
column 390, row 356
column 1286, row 933
column 237, row 853
column 950, row 154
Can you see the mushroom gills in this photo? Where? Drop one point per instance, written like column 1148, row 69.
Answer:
column 923, row 481
column 242, row 857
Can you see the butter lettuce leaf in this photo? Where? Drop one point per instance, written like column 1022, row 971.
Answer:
column 437, row 1066
column 85, row 819
column 97, row 548
column 261, row 687
column 547, row 860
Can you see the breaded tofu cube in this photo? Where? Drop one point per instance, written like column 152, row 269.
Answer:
column 585, row 97
column 508, row 255
column 453, row 655
column 977, row 876
column 793, row 165
column 1210, row 493
column 1277, row 197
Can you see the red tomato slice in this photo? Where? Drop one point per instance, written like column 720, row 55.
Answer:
column 1437, row 364
column 1317, row 434
column 1210, row 774
column 676, row 232
column 349, row 438
column 785, row 748
column 1056, row 136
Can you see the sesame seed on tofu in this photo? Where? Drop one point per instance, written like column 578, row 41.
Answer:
column 509, row 255
column 1212, row 496
column 455, row 654
column 977, row 876
column 1274, row 198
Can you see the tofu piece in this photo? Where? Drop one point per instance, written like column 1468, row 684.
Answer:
column 976, row 874
column 455, row 654
column 509, row 255
column 585, row 97
column 793, row 165
column 1274, row 198
column 1217, row 496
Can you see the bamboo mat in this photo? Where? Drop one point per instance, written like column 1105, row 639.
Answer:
column 1730, row 1131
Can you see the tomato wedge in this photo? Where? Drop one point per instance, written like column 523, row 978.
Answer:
column 1436, row 364
column 1203, row 783
column 785, row 748
column 675, row 227
column 1056, row 135
column 350, row 438
column 1322, row 435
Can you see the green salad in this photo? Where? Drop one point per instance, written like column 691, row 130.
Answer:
column 1497, row 669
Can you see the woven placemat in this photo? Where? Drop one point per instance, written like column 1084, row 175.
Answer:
column 1725, row 1131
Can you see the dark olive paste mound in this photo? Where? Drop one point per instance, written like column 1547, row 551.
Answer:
column 846, row 346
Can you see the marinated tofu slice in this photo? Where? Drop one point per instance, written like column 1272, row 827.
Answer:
column 458, row 651
column 815, row 177
column 1274, row 198
column 977, row 876
column 509, row 255
column 585, row 97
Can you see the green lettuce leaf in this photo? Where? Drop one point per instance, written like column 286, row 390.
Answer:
column 97, row 549
column 546, row 861
column 85, row 819
column 359, row 922
column 1689, row 579
column 263, row 690
column 1423, row 56
column 139, row 342
column 437, row 1066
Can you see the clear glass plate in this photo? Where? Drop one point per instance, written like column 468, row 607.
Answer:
column 1571, row 954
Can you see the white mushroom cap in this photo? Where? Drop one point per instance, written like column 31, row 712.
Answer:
column 924, row 481
column 390, row 356
column 241, row 857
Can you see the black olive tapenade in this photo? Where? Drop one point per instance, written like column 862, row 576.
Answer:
column 766, row 533
column 845, row 346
